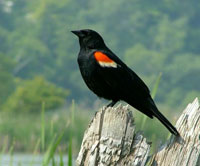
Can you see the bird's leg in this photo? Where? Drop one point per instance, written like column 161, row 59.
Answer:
column 111, row 104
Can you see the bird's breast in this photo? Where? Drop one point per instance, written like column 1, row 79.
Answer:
column 87, row 66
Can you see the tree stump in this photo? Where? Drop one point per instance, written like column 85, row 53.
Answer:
column 111, row 140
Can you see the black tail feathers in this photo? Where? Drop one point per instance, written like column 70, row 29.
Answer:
column 163, row 120
column 166, row 123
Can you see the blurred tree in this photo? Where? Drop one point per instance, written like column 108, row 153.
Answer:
column 152, row 36
column 7, row 83
column 30, row 94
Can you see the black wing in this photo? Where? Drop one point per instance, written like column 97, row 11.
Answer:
column 122, row 78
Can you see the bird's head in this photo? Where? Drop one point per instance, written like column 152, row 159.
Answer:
column 89, row 39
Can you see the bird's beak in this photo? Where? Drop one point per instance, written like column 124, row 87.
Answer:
column 77, row 33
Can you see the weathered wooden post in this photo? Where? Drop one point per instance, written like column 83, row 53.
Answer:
column 111, row 140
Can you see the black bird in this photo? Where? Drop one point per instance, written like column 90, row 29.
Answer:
column 110, row 78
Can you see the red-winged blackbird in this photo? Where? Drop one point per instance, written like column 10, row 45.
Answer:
column 110, row 78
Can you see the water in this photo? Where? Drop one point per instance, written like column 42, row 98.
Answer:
column 26, row 160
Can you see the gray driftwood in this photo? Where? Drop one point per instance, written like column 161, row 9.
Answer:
column 111, row 140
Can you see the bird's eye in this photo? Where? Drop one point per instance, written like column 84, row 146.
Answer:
column 85, row 32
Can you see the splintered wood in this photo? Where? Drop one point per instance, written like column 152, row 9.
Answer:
column 184, row 151
column 111, row 140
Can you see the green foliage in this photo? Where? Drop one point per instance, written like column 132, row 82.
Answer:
column 30, row 94
column 7, row 81
column 151, row 36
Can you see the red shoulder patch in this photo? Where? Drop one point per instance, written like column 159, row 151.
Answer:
column 101, row 57
column 104, row 60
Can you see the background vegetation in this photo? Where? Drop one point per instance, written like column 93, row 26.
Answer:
column 38, row 58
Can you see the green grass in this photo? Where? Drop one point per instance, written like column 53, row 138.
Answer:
column 49, row 155
column 49, row 133
column 36, row 149
column 153, row 94
column 43, row 126
column 11, row 153
column 71, row 134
